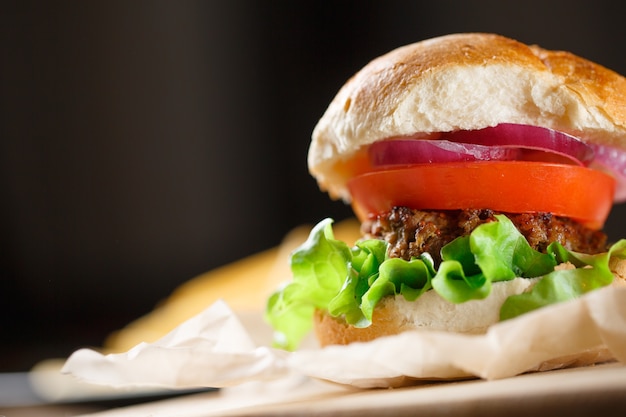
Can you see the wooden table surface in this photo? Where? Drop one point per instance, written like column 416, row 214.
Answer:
column 598, row 390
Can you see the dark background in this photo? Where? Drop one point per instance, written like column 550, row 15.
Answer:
column 144, row 143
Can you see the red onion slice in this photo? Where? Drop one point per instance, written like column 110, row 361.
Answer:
column 527, row 137
column 613, row 161
column 412, row 151
column 505, row 141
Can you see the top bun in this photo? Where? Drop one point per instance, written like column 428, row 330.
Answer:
column 465, row 82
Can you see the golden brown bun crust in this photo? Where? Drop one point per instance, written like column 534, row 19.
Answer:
column 466, row 81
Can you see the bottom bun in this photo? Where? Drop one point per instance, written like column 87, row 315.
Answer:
column 394, row 315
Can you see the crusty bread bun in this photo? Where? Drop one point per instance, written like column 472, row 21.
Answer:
column 394, row 315
column 465, row 81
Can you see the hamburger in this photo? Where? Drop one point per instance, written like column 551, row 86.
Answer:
column 482, row 171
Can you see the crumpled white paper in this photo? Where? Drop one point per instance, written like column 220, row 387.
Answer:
column 214, row 349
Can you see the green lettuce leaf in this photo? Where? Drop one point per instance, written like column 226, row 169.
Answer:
column 319, row 268
column 588, row 272
column 503, row 253
column 396, row 276
column 350, row 282
column 367, row 257
column 493, row 252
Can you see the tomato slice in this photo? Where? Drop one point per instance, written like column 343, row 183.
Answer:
column 577, row 192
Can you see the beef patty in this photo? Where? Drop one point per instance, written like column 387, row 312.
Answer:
column 413, row 232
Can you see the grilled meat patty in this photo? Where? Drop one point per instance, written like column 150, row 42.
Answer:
column 413, row 232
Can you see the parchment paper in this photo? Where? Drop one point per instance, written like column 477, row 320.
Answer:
column 214, row 349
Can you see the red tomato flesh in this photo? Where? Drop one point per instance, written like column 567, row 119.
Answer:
column 577, row 192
